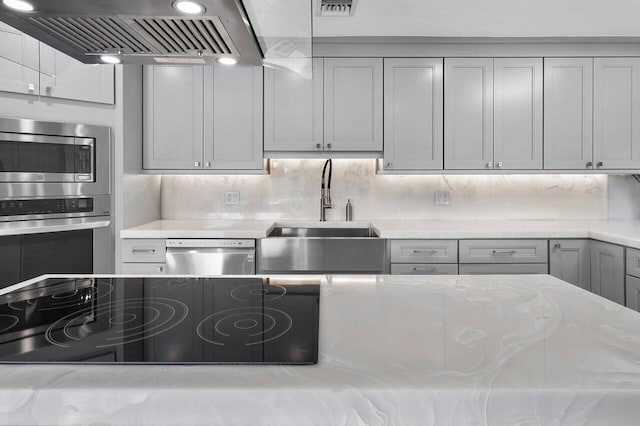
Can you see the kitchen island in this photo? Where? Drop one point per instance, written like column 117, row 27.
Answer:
column 392, row 350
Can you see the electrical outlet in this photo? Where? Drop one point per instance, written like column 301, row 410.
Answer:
column 442, row 198
column 232, row 197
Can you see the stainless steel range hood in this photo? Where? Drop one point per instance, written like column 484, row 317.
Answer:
column 141, row 31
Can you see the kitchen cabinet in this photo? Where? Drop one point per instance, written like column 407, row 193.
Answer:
column 202, row 118
column 568, row 113
column 413, row 114
column 502, row 269
column 616, row 120
column 570, row 260
column 10, row 265
column 503, row 251
column 607, row 271
column 56, row 253
column 517, row 137
column 293, row 110
column 633, row 293
column 353, row 104
column 468, row 113
column 61, row 76
column 143, row 256
column 30, row 67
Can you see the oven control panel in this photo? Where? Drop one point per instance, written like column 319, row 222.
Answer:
column 28, row 207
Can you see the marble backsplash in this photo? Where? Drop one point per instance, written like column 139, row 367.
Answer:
column 292, row 191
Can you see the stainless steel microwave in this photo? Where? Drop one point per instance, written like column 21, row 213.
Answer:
column 43, row 159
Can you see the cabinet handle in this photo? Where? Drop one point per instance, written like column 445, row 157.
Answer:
column 48, row 89
column 590, row 165
column 318, row 146
column 557, row 246
column 503, row 252
column 489, row 165
column 160, row 268
column 31, row 87
column 426, row 251
column 389, row 165
column 416, row 269
column 328, row 146
column 499, row 165
column 207, row 164
column 197, row 164
column 599, row 164
column 140, row 250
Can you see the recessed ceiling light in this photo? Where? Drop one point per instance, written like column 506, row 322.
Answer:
column 19, row 5
column 227, row 60
column 188, row 7
column 110, row 59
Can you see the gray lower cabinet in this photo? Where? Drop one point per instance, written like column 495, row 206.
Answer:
column 503, row 251
column 505, row 268
column 143, row 256
column 413, row 114
column 570, row 260
column 353, row 106
column 202, row 118
column 424, row 269
column 616, row 115
column 424, row 257
column 633, row 293
column 568, row 113
column 293, row 115
column 607, row 271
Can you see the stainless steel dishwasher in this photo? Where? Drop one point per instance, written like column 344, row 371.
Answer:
column 211, row 257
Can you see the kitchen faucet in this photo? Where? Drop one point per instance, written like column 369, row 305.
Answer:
column 325, row 194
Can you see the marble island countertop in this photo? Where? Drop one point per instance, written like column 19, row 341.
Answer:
column 456, row 350
column 623, row 232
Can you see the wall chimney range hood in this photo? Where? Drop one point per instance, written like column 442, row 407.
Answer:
column 141, row 31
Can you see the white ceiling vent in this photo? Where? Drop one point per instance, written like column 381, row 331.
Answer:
column 342, row 8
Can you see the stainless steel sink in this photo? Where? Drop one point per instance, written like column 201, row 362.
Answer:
column 319, row 250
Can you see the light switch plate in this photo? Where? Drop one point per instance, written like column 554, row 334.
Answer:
column 232, row 197
column 442, row 198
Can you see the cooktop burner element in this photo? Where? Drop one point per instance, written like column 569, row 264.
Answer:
column 160, row 321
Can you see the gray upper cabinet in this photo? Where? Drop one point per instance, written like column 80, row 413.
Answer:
column 413, row 114
column 607, row 271
column 570, row 260
column 568, row 113
column 173, row 117
column 517, row 137
column 353, row 104
column 233, row 118
column 468, row 113
column 293, row 115
column 61, row 76
column 19, row 61
column 616, row 126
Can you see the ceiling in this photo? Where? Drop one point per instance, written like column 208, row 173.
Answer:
column 485, row 18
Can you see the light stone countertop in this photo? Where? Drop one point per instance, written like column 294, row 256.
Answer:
column 405, row 350
column 623, row 232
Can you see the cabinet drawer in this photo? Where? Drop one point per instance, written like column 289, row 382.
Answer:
column 424, row 269
column 633, row 293
column 151, row 250
column 633, row 262
column 503, row 251
column 143, row 268
column 424, row 251
column 498, row 269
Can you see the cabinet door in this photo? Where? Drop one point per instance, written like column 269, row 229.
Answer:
column 353, row 104
column 293, row 110
column 568, row 112
column 173, row 117
column 61, row 76
column 607, row 271
column 19, row 61
column 468, row 113
column 517, row 138
column 570, row 261
column 10, row 263
column 616, row 122
column 633, row 293
column 233, row 118
column 413, row 107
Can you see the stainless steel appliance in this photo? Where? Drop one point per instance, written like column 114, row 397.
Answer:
column 55, row 203
column 149, row 31
column 211, row 257
column 322, row 250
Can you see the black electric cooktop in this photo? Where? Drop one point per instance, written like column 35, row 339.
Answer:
column 161, row 321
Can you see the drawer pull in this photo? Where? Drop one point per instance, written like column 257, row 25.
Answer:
column 557, row 246
column 503, row 252
column 140, row 250
column 416, row 269
column 424, row 251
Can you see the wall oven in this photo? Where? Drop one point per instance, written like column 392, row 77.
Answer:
column 55, row 199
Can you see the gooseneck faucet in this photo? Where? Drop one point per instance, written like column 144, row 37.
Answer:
column 325, row 192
